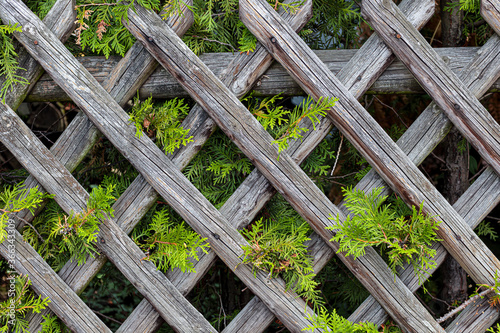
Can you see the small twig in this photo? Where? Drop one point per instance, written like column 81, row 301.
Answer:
column 216, row 41
column 393, row 110
column 104, row 316
column 338, row 154
column 96, row 4
column 493, row 218
column 463, row 306
column 32, row 227
column 477, row 173
column 435, row 31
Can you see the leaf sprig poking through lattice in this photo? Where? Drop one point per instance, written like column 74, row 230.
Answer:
column 403, row 239
column 332, row 322
column 8, row 61
column 314, row 111
column 162, row 122
column 14, row 199
column 170, row 245
column 280, row 249
column 76, row 234
column 24, row 302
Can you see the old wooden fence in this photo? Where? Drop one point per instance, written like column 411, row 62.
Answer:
column 454, row 79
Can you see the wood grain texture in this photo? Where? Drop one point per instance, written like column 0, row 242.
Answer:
column 112, row 241
column 137, row 199
column 464, row 110
column 396, row 79
column 152, row 163
column 476, row 318
column 245, row 131
column 60, row 20
column 368, row 138
column 490, row 10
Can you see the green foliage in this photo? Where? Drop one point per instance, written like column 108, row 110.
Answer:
column 280, row 249
column 402, row 238
column 75, row 235
column 9, row 65
column 495, row 329
column 21, row 302
column 332, row 322
column 473, row 26
column 170, row 245
column 16, row 198
column 162, row 122
column 485, row 229
column 495, row 298
column 52, row 324
column 100, row 28
column 307, row 109
column 334, row 24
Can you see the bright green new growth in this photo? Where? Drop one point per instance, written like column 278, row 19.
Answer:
column 162, row 122
column 24, row 303
column 332, row 322
column 14, row 199
column 307, row 109
column 76, row 234
column 8, row 61
column 280, row 249
column 404, row 239
column 169, row 245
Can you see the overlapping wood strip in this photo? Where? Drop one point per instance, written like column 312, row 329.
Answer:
column 396, row 79
column 464, row 110
column 112, row 241
column 490, row 10
column 368, row 138
column 151, row 162
column 244, row 130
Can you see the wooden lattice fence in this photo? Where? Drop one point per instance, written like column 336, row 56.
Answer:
column 455, row 104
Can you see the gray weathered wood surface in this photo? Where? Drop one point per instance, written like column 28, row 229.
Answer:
column 148, row 159
column 112, row 241
column 370, row 140
column 244, row 130
column 60, row 19
column 490, row 10
column 394, row 80
column 134, row 203
column 72, row 146
column 460, row 105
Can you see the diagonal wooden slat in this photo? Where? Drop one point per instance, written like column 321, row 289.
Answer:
column 112, row 241
column 370, row 140
column 134, row 203
column 60, row 20
column 244, row 130
column 81, row 135
column 152, row 163
column 460, row 105
column 490, row 10
column 64, row 302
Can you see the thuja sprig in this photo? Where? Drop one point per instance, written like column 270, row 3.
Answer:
column 16, row 198
column 171, row 245
column 404, row 239
column 76, row 234
column 280, row 249
column 307, row 109
column 332, row 322
column 162, row 122
column 100, row 27
column 8, row 61
column 24, row 302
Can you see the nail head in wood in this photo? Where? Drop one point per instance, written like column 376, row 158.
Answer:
column 273, row 40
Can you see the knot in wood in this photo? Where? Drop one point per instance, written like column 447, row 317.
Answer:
column 150, row 39
column 456, row 106
column 398, row 36
column 273, row 40
column 359, row 78
column 216, row 236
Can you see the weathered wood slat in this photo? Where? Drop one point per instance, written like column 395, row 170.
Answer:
column 60, row 19
column 64, row 302
column 368, row 138
column 490, row 10
column 254, row 141
column 394, row 80
column 464, row 110
column 476, row 318
column 112, row 241
column 151, row 162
